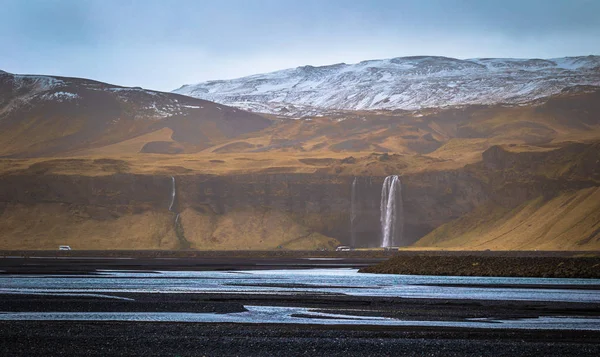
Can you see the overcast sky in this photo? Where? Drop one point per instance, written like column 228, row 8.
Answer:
column 165, row 44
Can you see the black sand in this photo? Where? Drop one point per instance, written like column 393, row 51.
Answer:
column 61, row 338
column 477, row 265
column 181, row 339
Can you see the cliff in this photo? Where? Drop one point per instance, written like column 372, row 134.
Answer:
column 537, row 200
column 509, row 200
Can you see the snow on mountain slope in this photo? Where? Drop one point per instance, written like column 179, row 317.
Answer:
column 48, row 115
column 400, row 83
column 21, row 90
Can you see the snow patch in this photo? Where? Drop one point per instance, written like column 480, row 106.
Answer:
column 36, row 83
column 114, row 89
column 60, row 96
column 408, row 83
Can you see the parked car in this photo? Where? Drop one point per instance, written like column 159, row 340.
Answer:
column 64, row 247
column 343, row 248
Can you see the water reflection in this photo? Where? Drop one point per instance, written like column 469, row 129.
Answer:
column 299, row 315
column 319, row 281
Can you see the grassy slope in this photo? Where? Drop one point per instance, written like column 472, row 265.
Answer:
column 250, row 229
column 46, row 226
column 130, row 146
column 430, row 141
column 570, row 221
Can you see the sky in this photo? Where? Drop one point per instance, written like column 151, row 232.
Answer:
column 162, row 45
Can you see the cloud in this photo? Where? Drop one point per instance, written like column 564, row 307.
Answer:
column 164, row 44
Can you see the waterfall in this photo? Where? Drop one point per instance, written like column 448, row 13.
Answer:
column 177, row 224
column 172, row 193
column 392, row 215
column 353, row 212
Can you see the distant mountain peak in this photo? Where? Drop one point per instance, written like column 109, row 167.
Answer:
column 45, row 115
column 400, row 83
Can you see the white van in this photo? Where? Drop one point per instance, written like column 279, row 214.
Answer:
column 343, row 248
column 64, row 247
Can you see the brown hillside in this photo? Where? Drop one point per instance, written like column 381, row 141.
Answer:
column 538, row 200
column 92, row 165
column 48, row 116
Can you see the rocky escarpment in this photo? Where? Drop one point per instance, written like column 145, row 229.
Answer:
column 536, row 200
column 270, row 211
column 119, row 211
column 244, row 211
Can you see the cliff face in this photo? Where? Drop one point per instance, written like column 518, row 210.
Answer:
column 536, row 200
column 214, row 209
column 268, row 211
column 118, row 211
column 200, row 215
column 515, row 177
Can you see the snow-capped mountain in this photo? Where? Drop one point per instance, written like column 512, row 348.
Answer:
column 400, row 83
column 47, row 115
column 19, row 91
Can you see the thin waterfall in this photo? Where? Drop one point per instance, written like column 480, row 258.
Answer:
column 173, row 193
column 392, row 215
column 177, row 224
column 353, row 212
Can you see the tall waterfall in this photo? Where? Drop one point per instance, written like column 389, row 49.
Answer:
column 172, row 194
column 178, row 226
column 392, row 215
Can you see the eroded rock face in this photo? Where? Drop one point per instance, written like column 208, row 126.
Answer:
column 515, row 177
column 121, row 192
column 323, row 203
column 320, row 203
column 365, row 199
column 432, row 199
column 314, row 207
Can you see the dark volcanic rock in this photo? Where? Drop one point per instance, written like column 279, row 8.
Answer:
column 546, row 267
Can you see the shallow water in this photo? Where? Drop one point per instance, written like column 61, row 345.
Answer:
column 284, row 315
column 319, row 281
column 108, row 284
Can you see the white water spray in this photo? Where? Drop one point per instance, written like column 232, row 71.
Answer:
column 392, row 215
column 172, row 194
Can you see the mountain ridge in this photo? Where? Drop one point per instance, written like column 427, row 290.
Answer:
column 86, row 163
column 408, row 83
column 48, row 115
